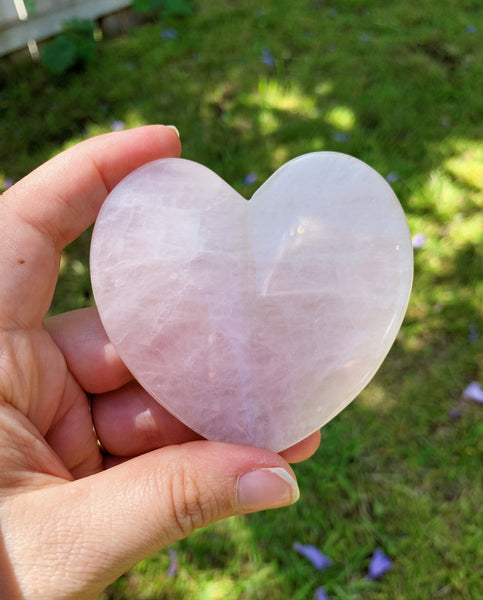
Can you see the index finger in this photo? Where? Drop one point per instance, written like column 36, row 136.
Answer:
column 53, row 205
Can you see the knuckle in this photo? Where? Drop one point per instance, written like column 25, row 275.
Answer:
column 193, row 504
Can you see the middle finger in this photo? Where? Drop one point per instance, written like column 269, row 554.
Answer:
column 128, row 422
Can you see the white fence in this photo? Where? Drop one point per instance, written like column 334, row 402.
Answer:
column 22, row 23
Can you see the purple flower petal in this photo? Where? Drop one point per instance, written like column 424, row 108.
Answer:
column 474, row 392
column 250, row 178
column 471, row 29
column 267, row 57
column 173, row 563
column 473, row 335
column 8, row 182
column 455, row 413
column 321, row 594
column 341, row 137
column 169, row 34
column 268, row 60
column 392, row 177
column 418, row 240
column 365, row 37
column 380, row 563
column 117, row 126
column 316, row 557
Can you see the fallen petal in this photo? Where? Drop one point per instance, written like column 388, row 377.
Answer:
column 316, row 557
column 341, row 137
column 169, row 34
column 173, row 563
column 250, row 178
column 8, row 182
column 455, row 413
column 321, row 594
column 267, row 57
column 474, row 392
column 380, row 563
column 418, row 240
column 473, row 335
column 117, row 126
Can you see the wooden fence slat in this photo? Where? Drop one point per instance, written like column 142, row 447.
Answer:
column 8, row 12
column 40, row 27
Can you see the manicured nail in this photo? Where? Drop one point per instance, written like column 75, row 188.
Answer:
column 175, row 129
column 267, row 488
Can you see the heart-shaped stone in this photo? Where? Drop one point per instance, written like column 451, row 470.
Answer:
column 253, row 322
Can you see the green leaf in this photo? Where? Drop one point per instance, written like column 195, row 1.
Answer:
column 85, row 50
column 75, row 45
column 146, row 5
column 177, row 8
column 84, row 27
column 59, row 55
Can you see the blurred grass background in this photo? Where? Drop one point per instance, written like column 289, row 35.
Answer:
column 251, row 84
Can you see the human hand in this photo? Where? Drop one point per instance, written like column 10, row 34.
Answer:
column 74, row 519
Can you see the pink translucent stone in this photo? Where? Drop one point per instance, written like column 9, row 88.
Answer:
column 253, row 322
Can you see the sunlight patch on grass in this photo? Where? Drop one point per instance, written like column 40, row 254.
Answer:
column 441, row 195
column 324, row 88
column 468, row 166
column 268, row 122
column 466, row 230
column 376, row 398
column 274, row 101
column 273, row 95
column 216, row 590
column 279, row 156
column 341, row 117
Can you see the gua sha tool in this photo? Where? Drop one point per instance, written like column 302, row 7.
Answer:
column 253, row 322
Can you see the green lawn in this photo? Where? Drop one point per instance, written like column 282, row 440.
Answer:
column 399, row 85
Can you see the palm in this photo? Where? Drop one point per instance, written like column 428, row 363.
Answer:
column 41, row 397
column 44, row 402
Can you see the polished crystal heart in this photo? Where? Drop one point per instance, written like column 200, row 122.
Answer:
column 253, row 322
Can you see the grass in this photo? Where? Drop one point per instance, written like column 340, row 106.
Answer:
column 398, row 85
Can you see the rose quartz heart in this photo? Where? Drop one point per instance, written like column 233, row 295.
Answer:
column 253, row 322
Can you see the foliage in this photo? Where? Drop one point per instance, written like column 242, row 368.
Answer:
column 75, row 46
column 392, row 83
column 146, row 5
column 177, row 8
column 169, row 8
column 31, row 6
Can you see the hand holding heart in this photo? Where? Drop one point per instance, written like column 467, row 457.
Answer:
column 72, row 518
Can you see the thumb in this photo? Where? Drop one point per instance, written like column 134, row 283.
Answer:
column 112, row 520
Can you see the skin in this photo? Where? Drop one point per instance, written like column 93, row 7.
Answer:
column 73, row 518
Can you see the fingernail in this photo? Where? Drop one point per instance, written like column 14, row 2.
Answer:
column 267, row 488
column 175, row 129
